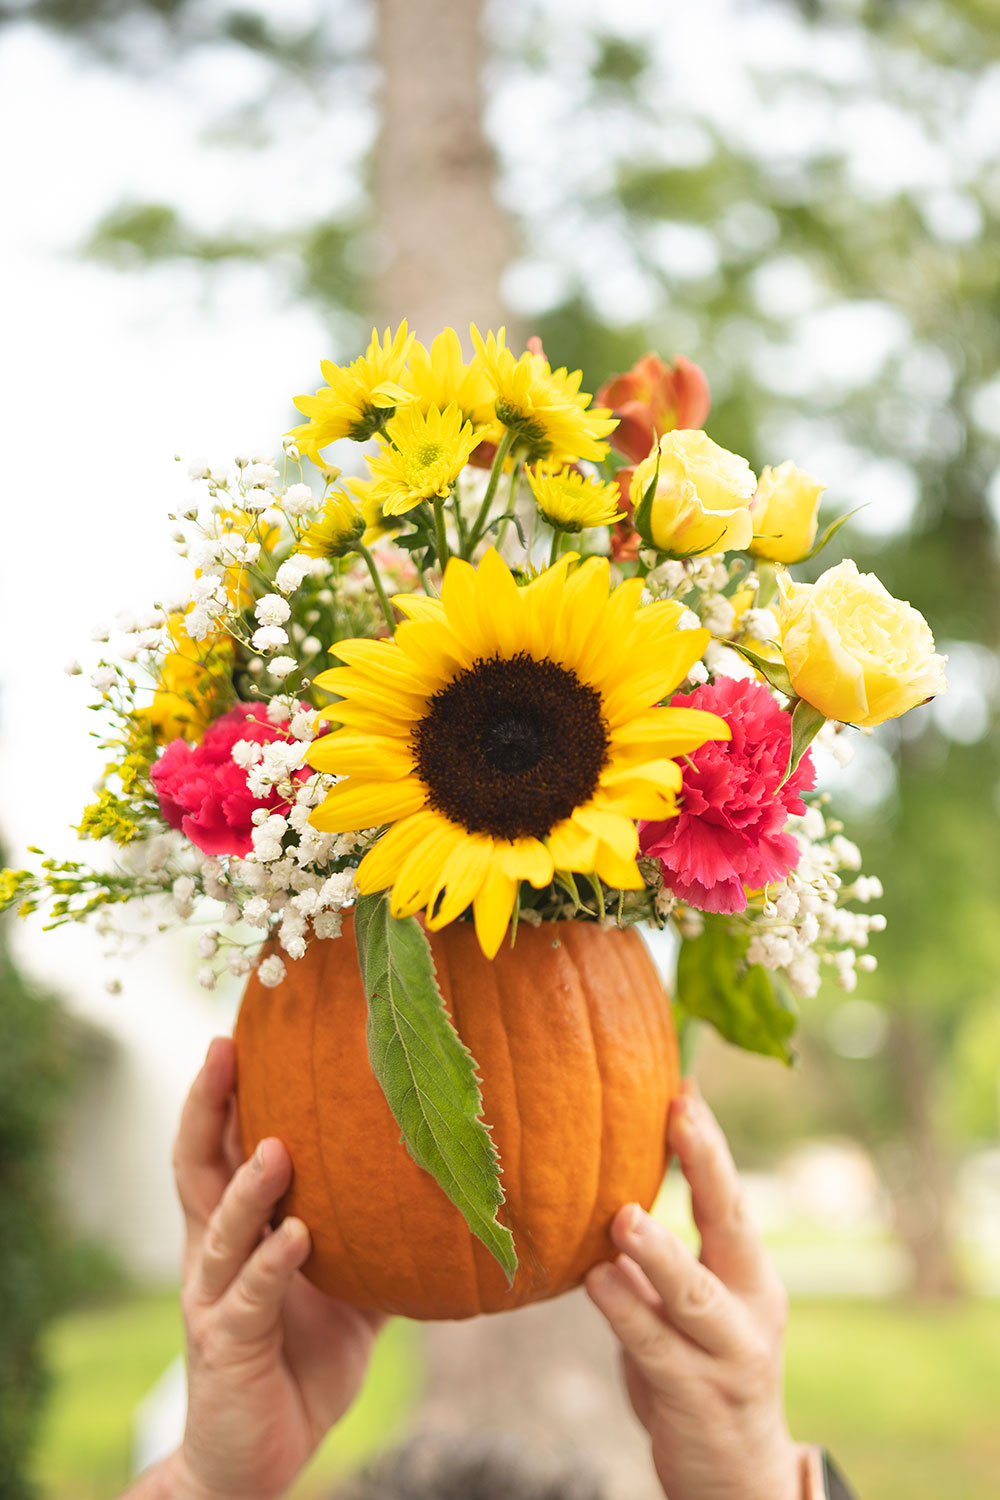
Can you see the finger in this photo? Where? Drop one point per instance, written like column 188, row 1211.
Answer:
column 237, row 1224
column 731, row 1245
column 200, row 1167
column 252, row 1307
column 693, row 1298
column 661, row 1353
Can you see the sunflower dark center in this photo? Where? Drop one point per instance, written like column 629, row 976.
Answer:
column 511, row 747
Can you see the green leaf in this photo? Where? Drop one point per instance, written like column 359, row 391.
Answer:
column 831, row 531
column 806, row 725
column 715, row 983
column 427, row 1073
column 775, row 672
column 640, row 518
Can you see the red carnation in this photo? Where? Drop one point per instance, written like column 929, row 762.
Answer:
column 728, row 837
column 204, row 793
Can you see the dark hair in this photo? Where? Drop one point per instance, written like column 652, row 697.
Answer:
column 452, row 1467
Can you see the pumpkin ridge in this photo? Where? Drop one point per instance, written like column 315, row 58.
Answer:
column 588, row 1218
column 527, row 1253
column 320, row 1141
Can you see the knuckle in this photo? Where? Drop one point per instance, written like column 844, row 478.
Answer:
column 216, row 1242
column 700, row 1293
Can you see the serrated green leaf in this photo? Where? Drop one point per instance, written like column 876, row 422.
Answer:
column 806, row 725
column 427, row 1073
column 774, row 672
column 715, row 983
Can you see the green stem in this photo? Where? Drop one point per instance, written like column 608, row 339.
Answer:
column 504, row 448
column 556, row 544
column 383, row 598
column 515, row 479
column 441, row 534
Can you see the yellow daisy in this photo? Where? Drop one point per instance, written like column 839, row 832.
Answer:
column 422, row 456
column 505, row 733
column 338, row 527
column 357, row 400
column 570, row 502
column 543, row 408
column 438, row 376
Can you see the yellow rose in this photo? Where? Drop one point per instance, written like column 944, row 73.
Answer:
column 701, row 499
column 852, row 650
column 785, row 511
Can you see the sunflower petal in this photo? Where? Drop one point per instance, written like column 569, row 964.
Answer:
column 491, row 909
column 622, row 874
column 350, row 806
column 418, row 874
column 463, row 873
column 385, row 858
column 370, row 755
column 572, row 847
column 612, row 828
column 526, row 859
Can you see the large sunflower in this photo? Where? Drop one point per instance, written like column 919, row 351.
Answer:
column 505, row 733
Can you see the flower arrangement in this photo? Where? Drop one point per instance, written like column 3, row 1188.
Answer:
column 574, row 680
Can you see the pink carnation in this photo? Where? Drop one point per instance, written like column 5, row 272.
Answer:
column 204, row 793
column 728, row 837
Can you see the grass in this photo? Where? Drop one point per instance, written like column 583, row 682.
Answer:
column 905, row 1398
column 103, row 1361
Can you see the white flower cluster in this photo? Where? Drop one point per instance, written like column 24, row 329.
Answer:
column 716, row 596
column 805, row 922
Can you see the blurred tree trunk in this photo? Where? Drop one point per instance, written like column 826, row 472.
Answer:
column 916, row 1170
column 444, row 238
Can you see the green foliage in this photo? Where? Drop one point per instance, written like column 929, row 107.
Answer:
column 427, row 1073
column 716, row 984
column 33, row 1078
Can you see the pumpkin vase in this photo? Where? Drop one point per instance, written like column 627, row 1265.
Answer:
column 577, row 1056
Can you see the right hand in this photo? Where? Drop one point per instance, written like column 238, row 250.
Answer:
column 703, row 1341
column 272, row 1362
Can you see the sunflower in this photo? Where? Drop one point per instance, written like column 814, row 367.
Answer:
column 422, row 456
column 543, row 408
column 357, row 400
column 569, row 501
column 505, row 733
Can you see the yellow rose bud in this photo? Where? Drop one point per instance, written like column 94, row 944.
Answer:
column 852, row 650
column 785, row 511
column 702, row 495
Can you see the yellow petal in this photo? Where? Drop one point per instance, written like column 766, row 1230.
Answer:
column 571, row 847
column 384, row 859
column 655, row 678
column 615, row 871
column 463, row 873
column 352, row 805
column 499, row 600
column 413, row 886
column 526, row 859
column 491, row 909
column 610, row 827
column 419, row 607
column 668, row 732
column 374, row 756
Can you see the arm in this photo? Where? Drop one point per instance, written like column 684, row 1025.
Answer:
column 272, row 1362
column 703, row 1341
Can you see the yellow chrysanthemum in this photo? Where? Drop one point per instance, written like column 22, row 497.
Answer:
column 422, row 456
column 438, row 376
column 377, row 525
column 544, row 408
column 357, row 400
column 193, row 680
column 339, row 525
column 505, row 733
column 571, row 502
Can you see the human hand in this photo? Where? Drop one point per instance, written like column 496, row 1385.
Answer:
column 272, row 1362
column 703, row 1342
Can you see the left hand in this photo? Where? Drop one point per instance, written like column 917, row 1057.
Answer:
column 272, row 1362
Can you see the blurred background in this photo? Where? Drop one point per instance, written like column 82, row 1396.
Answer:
column 201, row 201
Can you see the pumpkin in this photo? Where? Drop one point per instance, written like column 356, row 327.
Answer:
column 577, row 1056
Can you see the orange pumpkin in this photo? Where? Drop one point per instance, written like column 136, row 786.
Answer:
column 577, row 1056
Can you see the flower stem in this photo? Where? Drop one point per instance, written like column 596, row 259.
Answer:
column 441, row 534
column 484, row 510
column 556, row 544
column 383, row 598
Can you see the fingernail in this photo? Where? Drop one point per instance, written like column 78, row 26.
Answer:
column 258, row 1158
column 602, row 1275
column 635, row 1221
column 683, row 1115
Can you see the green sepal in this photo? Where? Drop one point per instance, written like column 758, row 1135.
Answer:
column 741, row 1000
column 775, row 672
column 642, row 512
column 806, row 725
column 427, row 1073
column 830, row 532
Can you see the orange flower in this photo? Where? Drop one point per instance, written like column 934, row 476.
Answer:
column 654, row 398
